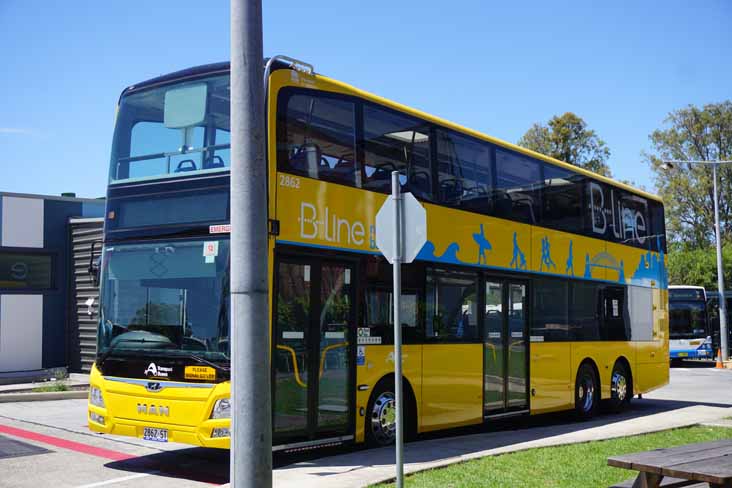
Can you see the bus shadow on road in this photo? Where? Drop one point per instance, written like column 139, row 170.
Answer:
column 212, row 465
column 694, row 364
column 470, row 440
column 192, row 464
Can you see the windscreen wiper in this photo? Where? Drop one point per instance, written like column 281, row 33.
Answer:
column 113, row 347
column 217, row 367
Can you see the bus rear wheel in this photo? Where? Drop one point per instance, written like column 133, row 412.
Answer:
column 621, row 387
column 586, row 392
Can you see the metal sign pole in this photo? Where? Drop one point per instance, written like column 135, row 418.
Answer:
column 398, row 255
column 251, row 414
column 720, row 275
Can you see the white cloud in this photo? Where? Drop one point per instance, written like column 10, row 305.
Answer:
column 15, row 130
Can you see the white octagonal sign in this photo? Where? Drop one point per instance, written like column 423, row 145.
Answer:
column 414, row 217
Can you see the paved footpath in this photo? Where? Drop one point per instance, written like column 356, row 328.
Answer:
column 47, row 443
column 359, row 469
column 695, row 395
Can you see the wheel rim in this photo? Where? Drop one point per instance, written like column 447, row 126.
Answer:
column 620, row 386
column 383, row 418
column 586, row 393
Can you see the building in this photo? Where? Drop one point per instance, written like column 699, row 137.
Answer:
column 39, row 324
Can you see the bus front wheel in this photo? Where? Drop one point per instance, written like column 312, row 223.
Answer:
column 586, row 392
column 381, row 415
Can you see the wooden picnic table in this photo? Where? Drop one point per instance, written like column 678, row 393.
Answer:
column 690, row 465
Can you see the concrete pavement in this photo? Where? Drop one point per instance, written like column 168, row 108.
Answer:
column 360, row 469
column 695, row 395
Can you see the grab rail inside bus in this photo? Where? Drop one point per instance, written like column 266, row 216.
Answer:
column 293, row 354
column 326, row 349
column 298, row 380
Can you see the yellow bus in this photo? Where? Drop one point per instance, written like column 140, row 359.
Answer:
column 542, row 286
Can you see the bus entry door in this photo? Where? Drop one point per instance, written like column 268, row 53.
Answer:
column 505, row 355
column 312, row 358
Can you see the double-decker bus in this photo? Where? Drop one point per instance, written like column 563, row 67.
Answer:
column 690, row 333
column 542, row 286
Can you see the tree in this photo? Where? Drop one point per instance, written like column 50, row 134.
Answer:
column 697, row 267
column 694, row 133
column 568, row 139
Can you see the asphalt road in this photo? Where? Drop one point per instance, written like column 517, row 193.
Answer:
column 47, row 443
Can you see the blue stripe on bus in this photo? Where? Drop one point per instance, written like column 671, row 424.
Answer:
column 482, row 266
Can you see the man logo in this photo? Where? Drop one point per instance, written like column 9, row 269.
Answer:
column 159, row 410
column 153, row 386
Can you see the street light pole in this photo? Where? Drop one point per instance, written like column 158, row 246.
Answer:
column 720, row 266
column 720, row 273
column 251, row 415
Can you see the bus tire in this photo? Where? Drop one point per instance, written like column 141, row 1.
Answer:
column 621, row 387
column 586, row 392
column 381, row 414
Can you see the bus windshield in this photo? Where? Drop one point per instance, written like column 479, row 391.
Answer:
column 168, row 298
column 173, row 130
column 688, row 319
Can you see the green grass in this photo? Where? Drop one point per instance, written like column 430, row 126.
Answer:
column 52, row 387
column 576, row 465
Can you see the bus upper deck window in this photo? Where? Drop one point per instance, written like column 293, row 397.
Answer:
column 396, row 142
column 320, row 138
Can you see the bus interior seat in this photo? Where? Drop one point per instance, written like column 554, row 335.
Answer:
column 380, row 180
column 502, row 204
column 419, row 184
column 451, row 190
column 214, row 162
column 308, row 159
column 477, row 199
column 344, row 170
column 186, row 165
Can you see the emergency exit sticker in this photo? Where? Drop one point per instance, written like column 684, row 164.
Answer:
column 210, row 251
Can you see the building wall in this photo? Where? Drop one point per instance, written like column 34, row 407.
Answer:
column 33, row 322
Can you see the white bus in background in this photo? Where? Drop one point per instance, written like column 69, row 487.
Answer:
column 690, row 332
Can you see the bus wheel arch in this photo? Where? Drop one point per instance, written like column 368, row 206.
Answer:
column 587, row 389
column 380, row 405
column 621, row 385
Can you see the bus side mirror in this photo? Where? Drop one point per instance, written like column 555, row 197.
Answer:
column 94, row 263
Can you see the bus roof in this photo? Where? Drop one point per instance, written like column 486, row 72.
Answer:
column 685, row 287
column 224, row 67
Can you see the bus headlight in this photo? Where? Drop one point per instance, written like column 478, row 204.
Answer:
column 222, row 409
column 95, row 397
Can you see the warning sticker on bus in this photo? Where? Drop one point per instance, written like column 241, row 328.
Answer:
column 219, row 229
column 200, row 373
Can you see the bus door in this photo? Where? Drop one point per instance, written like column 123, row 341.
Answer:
column 505, row 347
column 313, row 364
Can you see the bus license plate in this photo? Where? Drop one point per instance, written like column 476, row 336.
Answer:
column 157, row 435
column 683, row 354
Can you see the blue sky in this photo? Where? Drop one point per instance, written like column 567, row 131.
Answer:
column 497, row 67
